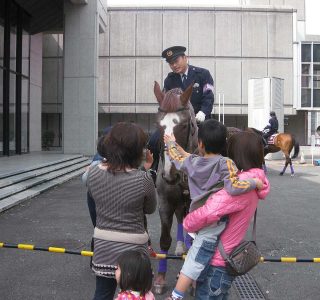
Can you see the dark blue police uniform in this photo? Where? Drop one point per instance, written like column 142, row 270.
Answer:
column 202, row 97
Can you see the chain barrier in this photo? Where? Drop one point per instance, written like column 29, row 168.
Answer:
column 152, row 254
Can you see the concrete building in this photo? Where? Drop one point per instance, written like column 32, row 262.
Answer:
column 99, row 67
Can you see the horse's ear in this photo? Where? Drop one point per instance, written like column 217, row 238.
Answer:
column 186, row 95
column 157, row 92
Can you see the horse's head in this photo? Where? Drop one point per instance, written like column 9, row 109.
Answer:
column 176, row 115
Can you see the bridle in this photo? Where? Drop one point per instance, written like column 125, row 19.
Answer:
column 179, row 176
column 190, row 124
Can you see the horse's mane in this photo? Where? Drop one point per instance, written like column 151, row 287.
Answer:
column 254, row 130
column 232, row 130
column 171, row 101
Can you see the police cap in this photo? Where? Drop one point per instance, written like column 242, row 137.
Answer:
column 172, row 53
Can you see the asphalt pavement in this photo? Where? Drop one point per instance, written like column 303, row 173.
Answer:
column 287, row 225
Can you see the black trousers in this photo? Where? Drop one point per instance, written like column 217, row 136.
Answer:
column 105, row 288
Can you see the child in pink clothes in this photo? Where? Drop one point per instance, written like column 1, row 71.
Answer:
column 134, row 276
column 246, row 150
column 130, row 295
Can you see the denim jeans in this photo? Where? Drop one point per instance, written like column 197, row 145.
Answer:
column 105, row 288
column 213, row 284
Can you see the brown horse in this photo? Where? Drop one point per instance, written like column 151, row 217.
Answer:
column 175, row 115
column 284, row 142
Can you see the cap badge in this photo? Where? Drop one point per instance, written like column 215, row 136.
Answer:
column 169, row 53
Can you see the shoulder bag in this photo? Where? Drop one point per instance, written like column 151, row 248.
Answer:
column 244, row 257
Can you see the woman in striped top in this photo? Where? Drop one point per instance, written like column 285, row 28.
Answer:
column 122, row 194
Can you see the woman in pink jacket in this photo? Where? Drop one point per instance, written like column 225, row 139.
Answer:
column 246, row 150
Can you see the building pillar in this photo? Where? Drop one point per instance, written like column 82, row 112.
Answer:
column 80, row 117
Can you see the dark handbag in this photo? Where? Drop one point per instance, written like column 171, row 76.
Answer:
column 244, row 257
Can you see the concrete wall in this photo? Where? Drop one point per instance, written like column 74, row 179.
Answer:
column 80, row 120
column 235, row 44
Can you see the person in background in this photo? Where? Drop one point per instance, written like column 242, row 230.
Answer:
column 270, row 129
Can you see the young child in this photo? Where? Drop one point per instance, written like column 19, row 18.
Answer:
column 134, row 276
column 246, row 150
column 207, row 173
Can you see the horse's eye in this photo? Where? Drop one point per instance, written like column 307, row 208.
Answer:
column 175, row 121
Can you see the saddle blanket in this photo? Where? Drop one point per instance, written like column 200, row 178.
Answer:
column 272, row 138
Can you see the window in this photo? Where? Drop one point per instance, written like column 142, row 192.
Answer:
column 316, row 98
column 14, row 79
column 305, row 97
column 310, row 75
column 306, row 53
column 305, row 81
column 316, row 53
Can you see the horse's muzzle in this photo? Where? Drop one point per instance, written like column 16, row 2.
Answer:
column 171, row 179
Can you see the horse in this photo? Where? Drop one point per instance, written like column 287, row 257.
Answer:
column 175, row 115
column 284, row 142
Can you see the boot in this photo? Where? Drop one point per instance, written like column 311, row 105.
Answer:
column 265, row 143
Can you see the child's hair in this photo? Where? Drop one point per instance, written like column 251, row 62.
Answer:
column 246, row 150
column 213, row 135
column 136, row 272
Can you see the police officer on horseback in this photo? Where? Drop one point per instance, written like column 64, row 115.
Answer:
column 183, row 75
column 271, row 128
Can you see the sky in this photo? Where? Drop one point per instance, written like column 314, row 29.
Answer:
column 312, row 8
column 312, row 17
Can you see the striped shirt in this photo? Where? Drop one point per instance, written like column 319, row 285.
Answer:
column 121, row 201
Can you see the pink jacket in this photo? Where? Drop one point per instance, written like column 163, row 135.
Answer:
column 240, row 210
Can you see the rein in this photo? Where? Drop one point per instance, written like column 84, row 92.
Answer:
column 179, row 109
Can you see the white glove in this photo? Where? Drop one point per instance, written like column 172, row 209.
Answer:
column 200, row 116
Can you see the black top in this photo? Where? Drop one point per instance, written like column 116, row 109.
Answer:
column 274, row 124
column 202, row 97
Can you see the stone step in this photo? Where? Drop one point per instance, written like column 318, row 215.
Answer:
column 25, row 175
column 40, row 166
column 36, row 190
column 34, row 181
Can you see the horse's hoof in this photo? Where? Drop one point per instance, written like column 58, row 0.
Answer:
column 159, row 289
column 292, row 175
column 180, row 248
column 281, row 174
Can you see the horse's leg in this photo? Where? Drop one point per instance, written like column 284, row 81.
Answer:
column 180, row 212
column 286, row 164
column 166, row 212
column 264, row 167
column 291, row 167
column 180, row 249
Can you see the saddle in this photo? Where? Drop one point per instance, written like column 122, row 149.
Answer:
column 272, row 138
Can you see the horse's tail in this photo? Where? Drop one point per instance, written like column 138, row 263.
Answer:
column 296, row 147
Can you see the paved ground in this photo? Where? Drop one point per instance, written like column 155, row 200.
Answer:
column 288, row 223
